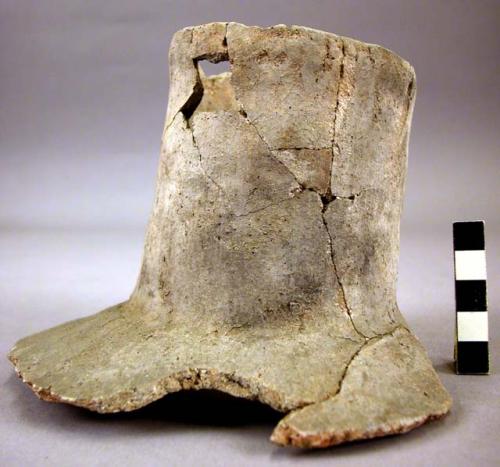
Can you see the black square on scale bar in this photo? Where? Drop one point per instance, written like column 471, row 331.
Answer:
column 468, row 235
column 470, row 295
column 472, row 358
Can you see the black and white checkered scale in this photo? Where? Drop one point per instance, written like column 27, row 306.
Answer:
column 471, row 345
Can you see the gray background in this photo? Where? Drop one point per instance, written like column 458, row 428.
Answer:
column 83, row 91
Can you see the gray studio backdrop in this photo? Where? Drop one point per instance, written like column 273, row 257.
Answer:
column 83, row 93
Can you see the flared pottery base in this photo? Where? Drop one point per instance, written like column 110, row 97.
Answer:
column 332, row 388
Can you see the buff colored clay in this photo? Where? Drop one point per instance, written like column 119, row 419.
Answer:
column 270, row 261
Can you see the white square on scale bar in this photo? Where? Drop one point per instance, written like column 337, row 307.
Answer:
column 470, row 265
column 472, row 326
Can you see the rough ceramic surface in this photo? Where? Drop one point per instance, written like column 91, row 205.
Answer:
column 270, row 261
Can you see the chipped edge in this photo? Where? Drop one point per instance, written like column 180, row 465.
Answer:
column 286, row 435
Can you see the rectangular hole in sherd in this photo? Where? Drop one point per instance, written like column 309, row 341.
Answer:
column 218, row 92
column 211, row 69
